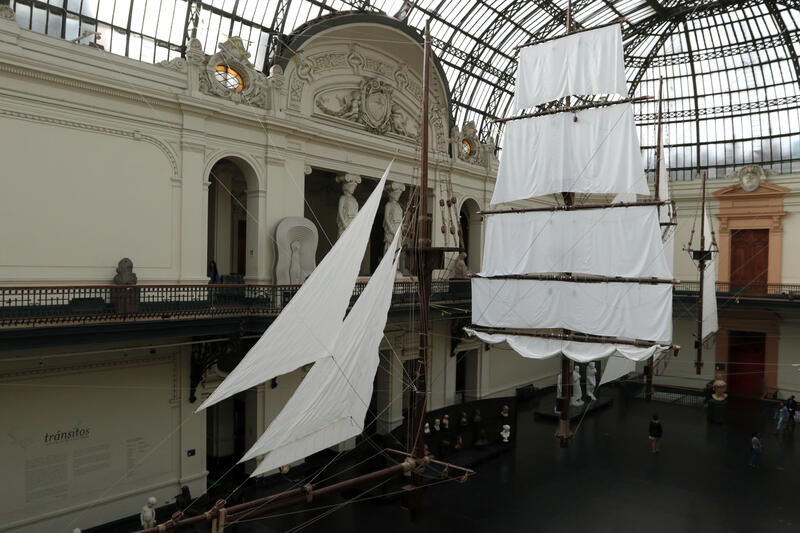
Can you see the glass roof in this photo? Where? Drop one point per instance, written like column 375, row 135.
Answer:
column 730, row 68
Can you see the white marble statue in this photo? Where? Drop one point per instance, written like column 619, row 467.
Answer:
column 147, row 516
column 577, row 391
column 392, row 213
column 427, row 429
column 591, row 380
column 460, row 269
column 296, row 246
column 295, row 268
column 505, row 432
column 348, row 205
column 558, row 392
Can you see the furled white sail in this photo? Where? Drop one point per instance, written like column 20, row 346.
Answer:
column 709, row 283
column 626, row 310
column 540, row 348
column 308, row 326
column 589, row 62
column 330, row 404
column 578, row 242
column 597, row 153
column 665, row 213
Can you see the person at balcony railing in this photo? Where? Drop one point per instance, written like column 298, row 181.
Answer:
column 212, row 272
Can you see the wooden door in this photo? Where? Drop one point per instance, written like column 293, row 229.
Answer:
column 749, row 260
column 746, row 350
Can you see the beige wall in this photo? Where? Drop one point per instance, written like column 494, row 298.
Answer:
column 88, row 439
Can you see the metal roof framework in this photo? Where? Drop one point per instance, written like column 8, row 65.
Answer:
column 730, row 68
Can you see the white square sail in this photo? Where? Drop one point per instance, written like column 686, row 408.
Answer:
column 589, row 62
column 598, row 153
column 624, row 310
column 576, row 241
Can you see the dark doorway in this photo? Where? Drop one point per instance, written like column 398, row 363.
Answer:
column 749, row 260
column 746, row 350
column 241, row 247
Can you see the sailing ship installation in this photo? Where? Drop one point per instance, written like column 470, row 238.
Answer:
column 583, row 281
column 331, row 403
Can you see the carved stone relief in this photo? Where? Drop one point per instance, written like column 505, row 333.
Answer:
column 467, row 146
column 751, row 176
column 296, row 242
column 247, row 84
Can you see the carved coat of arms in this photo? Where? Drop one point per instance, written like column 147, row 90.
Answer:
column 376, row 108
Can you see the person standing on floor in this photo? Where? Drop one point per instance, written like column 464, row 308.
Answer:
column 755, row 451
column 655, row 434
column 783, row 418
column 791, row 404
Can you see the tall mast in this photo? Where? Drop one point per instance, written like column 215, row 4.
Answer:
column 650, row 368
column 424, row 276
column 564, row 433
column 702, row 255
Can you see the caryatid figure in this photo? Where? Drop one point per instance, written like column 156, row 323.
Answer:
column 348, row 205
column 392, row 213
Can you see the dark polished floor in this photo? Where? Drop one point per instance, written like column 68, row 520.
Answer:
column 606, row 481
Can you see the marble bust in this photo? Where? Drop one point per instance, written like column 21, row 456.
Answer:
column 125, row 275
column 348, row 205
column 720, row 390
column 750, row 177
column 505, row 433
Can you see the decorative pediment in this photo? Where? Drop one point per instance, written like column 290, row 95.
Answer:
column 761, row 190
column 467, row 146
column 365, row 85
column 229, row 74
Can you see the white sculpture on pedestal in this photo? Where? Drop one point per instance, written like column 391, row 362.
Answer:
column 296, row 246
column 591, row 380
column 348, row 205
column 577, row 392
column 147, row 516
column 506, row 432
column 392, row 213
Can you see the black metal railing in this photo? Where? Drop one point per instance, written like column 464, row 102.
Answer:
column 786, row 291
column 22, row 307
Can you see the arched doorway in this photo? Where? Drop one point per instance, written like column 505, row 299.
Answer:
column 233, row 218
column 470, row 222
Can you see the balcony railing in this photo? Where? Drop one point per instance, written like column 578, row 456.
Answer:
column 772, row 291
column 23, row 307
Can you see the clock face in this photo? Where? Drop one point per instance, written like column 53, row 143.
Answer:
column 466, row 148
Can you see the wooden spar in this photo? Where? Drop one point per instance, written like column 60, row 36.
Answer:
column 424, row 276
column 698, row 364
column 572, row 109
column 567, row 335
column 581, row 278
column 650, row 367
column 571, row 207
column 556, row 37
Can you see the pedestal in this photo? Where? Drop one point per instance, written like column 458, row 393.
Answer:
column 717, row 411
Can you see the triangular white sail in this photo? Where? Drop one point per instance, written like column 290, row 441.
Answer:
column 330, row 404
column 589, row 62
column 709, row 283
column 308, row 326
column 597, row 153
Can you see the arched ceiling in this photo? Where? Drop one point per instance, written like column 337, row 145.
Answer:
column 730, row 68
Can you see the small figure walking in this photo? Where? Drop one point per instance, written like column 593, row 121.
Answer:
column 655, row 434
column 755, row 451
column 791, row 404
column 783, row 418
